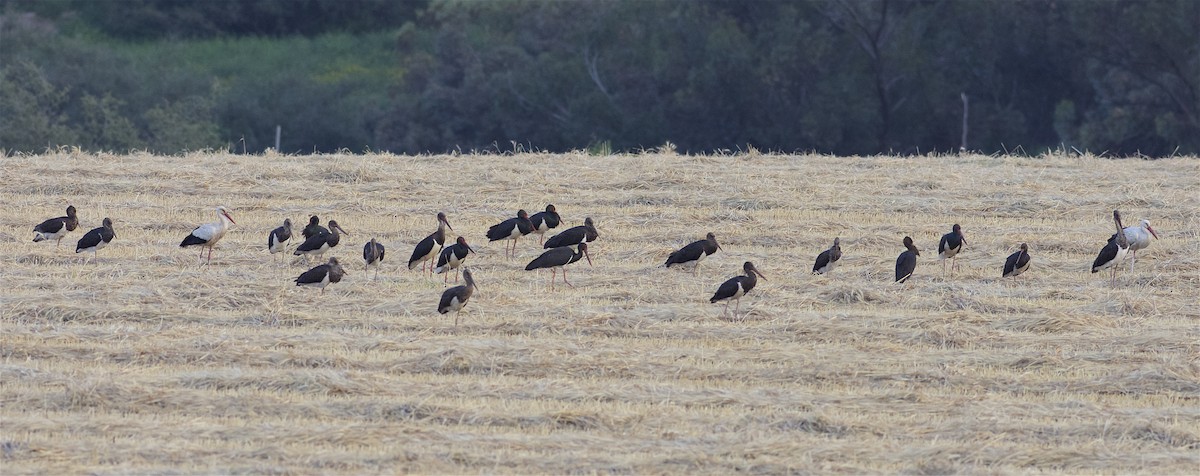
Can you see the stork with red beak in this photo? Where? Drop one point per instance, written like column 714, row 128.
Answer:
column 208, row 234
column 1139, row 238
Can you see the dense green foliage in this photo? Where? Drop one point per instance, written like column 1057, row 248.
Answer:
column 840, row 76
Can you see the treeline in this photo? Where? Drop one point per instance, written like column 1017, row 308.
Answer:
column 834, row 76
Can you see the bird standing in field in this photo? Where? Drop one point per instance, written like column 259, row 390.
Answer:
column 452, row 257
column 455, row 298
column 574, row 235
column 737, row 287
column 694, row 252
column 424, row 251
column 279, row 236
column 314, row 228
column 828, row 259
column 544, row 221
column 318, row 244
column 906, row 263
column 322, row 275
column 96, row 239
column 1113, row 252
column 208, row 234
column 56, row 228
column 949, row 247
column 557, row 259
column 373, row 256
column 1017, row 263
column 1139, row 239
column 511, row 229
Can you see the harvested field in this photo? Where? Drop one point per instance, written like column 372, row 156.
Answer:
column 146, row 362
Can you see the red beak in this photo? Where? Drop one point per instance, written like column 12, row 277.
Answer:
column 1152, row 231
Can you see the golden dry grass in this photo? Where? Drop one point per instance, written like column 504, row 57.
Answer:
column 146, row 362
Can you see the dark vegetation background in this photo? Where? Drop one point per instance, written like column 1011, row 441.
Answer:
column 831, row 76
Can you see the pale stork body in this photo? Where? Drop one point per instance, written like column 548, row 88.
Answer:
column 208, row 234
column 1138, row 238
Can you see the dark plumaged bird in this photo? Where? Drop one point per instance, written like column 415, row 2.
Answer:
column 544, row 221
column 317, row 245
column 455, row 298
column 279, row 236
column 828, row 259
column 56, row 228
column 452, row 257
column 736, row 287
column 96, row 239
column 1139, row 239
column 511, row 229
column 556, row 259
column 373, row 256
column 694, row 252
column 1017, row 263
column 429, row 247
column 314, row 228
column 574, row 235
column 323, row 275
column 208, row 234
column 949, row 247
column 906, row 263
column 1113, row 252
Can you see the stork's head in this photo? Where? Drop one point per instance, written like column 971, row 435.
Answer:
column 224, row 212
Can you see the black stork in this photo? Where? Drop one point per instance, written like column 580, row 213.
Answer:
column 906, row 263
column 208, row 234
column 574, row 235
column 317, row 245
column 1113, row 252
column 949, row 247
column 96, row 239
column 314, row 228
column 1139, row 239
column 1017, row 263
column 736, row 287
column 511, row 229
column 424, row 251
column 322, row 275
column 56, row 228
column 452, row 257
column 828, row 259
column 373, row 256
column 544, row 221
column 455, row 298
column 557, row 259
column 279, row 236
column 695, row 252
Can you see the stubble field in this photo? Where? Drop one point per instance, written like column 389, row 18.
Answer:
column 146, row 362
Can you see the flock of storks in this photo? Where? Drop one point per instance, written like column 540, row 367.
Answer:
column 559, row 251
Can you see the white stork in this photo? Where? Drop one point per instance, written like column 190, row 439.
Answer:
column 208, row 234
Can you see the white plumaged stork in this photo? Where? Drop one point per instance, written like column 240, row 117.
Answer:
column 208, row 234
column 1139, row 239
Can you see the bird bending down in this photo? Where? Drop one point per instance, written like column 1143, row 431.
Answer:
column 574, row 235
column 557, row 259
column 695, row 252
column 56, row 228
column 424, row 251
column 511, row 229
column 96, row 239
column 208, row 234
column 1017, row 263
column 276, row 241
column 737, row 287
column 322, row 275
column 455, row 298
column 452, row 257
column 828, row 259
column 544, row 221
column 1139, row 239
column 949, row 247
column 317, row 245
column 1113, row 252
column 373, row 256
column 906, row 263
